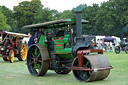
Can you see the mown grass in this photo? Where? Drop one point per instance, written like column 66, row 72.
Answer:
column 17, row 74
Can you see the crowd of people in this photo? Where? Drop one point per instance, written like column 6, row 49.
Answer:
column 106, row 46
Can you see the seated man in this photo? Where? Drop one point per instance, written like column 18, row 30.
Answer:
column 38, row 35
column 31, row 39
column 60, row 33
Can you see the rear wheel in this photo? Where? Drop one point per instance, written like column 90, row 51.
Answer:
column 37, row 60
column 11, row 56
column 117, row 50
column 22, row 52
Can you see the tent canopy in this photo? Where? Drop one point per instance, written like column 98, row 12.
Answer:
column 109, row 39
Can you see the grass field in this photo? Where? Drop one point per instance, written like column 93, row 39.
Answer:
column 17, row 74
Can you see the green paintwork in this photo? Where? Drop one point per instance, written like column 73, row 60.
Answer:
column 60, row 43
column 59, row 48
column 73, row 20
column 67, row 56
column 66, row 39
column 41, row 41
column 66, row 53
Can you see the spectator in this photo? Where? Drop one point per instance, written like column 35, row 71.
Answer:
column 113, row 44
column 31, row 39
column 38, row 35
column 102, row 44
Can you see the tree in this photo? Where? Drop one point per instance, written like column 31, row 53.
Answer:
column 3, row 22
column 55, row 14
column 24, row 13
column 66, row 14
column 10, row 18
column 89, row 13
column 43, row 15
column 115, row 15
column 108, row 19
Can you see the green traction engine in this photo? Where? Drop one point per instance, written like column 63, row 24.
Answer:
column 65, row 50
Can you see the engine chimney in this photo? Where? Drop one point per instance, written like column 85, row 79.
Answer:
column 79, row 25
column 79, row 22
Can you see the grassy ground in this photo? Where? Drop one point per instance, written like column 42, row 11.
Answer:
column 17, row 74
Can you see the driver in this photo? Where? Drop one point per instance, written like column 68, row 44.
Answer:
column 38, row 35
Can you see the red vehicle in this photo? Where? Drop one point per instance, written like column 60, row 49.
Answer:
column 11, row 46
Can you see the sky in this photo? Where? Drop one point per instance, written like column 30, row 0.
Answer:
column 59, row 5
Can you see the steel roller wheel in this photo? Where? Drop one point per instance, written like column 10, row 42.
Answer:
column 126, row 49
column 82, row 75
column 93, row 62
column 37, row 60
column 117, row 50
column 22, row 52
column 6, row 58
column 11, row 56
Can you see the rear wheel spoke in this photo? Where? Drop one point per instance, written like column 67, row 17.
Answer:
column 40, row 61
column 32, row 62
column 32, row 55
column 35, row 50
column 38, row 54
column 35, row 66
column 38, row 66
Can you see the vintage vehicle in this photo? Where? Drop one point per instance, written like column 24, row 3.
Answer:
column 11, row 46
column 65, row 50
column 123, row 45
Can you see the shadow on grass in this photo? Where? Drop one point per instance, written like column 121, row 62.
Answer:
column 15, row 61
column 54, row 74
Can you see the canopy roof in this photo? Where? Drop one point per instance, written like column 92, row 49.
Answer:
column 13, row 34
column 109, row 39
column 54, row 24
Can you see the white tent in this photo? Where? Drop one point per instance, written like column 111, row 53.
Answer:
column 99, row 38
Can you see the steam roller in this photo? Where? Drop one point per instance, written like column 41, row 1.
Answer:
column 67, row 50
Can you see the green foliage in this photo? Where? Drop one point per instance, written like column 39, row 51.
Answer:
column 10, row 18
column 43, row 15
column 24, row 13
column 90, row 14
column 108, row 19
column 66, row 14
column 3, row 22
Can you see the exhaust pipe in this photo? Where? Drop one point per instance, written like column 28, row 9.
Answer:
column 79, row 26
column 79, row 22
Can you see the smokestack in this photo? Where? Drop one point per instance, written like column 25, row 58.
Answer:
column 79, row 22
column 79, row 25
